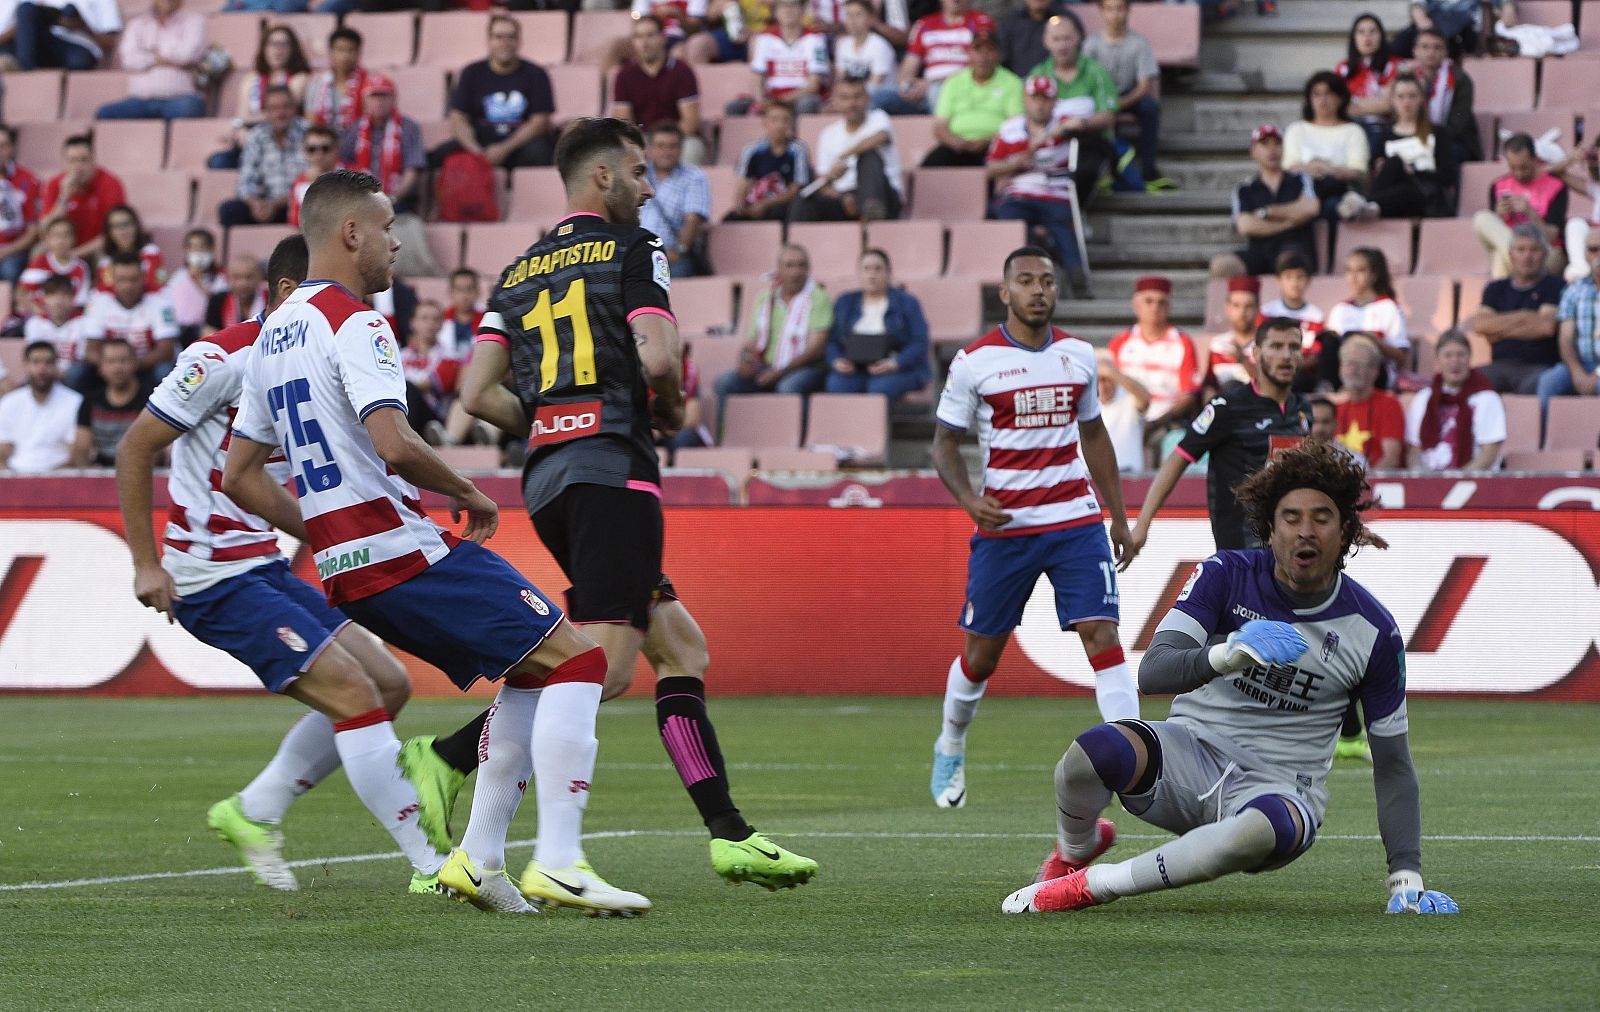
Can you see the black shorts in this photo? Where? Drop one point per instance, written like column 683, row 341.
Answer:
column 608, row 541
column 1263, row 258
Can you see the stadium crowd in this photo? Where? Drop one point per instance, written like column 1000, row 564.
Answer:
column 807, row 155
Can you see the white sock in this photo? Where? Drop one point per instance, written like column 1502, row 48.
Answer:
column 1080, row 798
column 564, row 749
column 304, row 760
column 370, row 755
column 1235, row 844
column 505, row 765
column 1114, row 688
column 961, row 699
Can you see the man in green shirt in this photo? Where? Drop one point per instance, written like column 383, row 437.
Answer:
column 972, row 105
column 1085, row 83
column 785, row 334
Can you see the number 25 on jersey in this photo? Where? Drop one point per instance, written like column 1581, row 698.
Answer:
column 306, row 432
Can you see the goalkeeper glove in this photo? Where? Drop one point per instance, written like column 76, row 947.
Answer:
column 1406, row 896
column 1258, row 641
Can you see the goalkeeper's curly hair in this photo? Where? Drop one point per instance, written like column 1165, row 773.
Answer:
column 1318, row 466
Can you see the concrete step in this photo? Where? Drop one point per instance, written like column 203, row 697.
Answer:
column 1218, row 174
column 1148, row 257
column 1303, row 17
column 1215, row 229
column 1173, row 203
column 1114, row 282
column 1235, row 118
column 1105, row 309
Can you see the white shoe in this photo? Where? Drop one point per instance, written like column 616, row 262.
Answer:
column 1351, row 205
column 486, row 889
column 581, row 888
column 949, row 781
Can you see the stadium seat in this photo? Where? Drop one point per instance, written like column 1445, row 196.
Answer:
column 721, row 83
column 723, row 184
column 979, row 249
column 1470, row 297
column 1173, row 31
column 5, row 299
column 577, row 90
column 1393, row 237
column 953, row 308
column 745, row 246
column 544, row 36
column 949, row 195
column 714, row 356
column 255, row 240
column 239, row 34
column 313, row 30
column 388, row 39
column 1429, row 301
column 453, row 39
column 703, row 305
column 1589, row 31
column 1501, row 85
column 213, row 187
column 191, row 141
column 130, row 146
column 11, row 352
column 161, row 198
column 1549, row 13
column 833, row 246
column 169, row 238
column 39, row 145
column 1534, row 122
column 737, row 461
column 490, row 247
column 1448, row 246
column 914, row 137
column 593, row 32
column 735, row 132
column 33, row 96
column 88, row 90
column 856, row 423
column 434, row 132
column 763, row 420
column 1325, row 292
column 1476, row 178
column 785, row 458
column 915, row 248
column 808, row 128
column 1573, row 423
column 444, row 242
column 471, row 458
column 423, row 94
column 1569, row 84
column 537, row 196
column 1547, row 460
column 1522, row 422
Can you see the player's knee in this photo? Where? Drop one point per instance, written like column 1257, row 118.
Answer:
column 1286, row 825
column 1125, row 755
column 980, row 657
column 1098, row 638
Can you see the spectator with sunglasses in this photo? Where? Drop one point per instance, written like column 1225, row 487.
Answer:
column 321, row 148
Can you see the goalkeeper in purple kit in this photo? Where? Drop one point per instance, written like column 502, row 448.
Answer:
column 1264, row 649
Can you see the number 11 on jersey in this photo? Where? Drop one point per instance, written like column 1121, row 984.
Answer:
column 541, row 319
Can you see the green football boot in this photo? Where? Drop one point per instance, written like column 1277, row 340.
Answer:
column 437, row 784
column 759, row 860
column 259, row 843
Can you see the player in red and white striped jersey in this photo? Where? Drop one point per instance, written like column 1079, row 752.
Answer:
column 1031, row 391
column 325, row 383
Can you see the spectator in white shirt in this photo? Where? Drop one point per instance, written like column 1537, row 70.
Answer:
column 1123, row 401
column 143, row 319
column 861, row 52
column 858, row 164
column 788, row 62
column 39, row 428
column 1457, row 422
column 162, row 49
column 65, row 330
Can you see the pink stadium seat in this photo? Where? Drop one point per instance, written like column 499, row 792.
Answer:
column 453, row 39
column 388, row 39
column 1393, row 237
column 913, row 135
column 471, row 458
column 39, row 145
column 723, row 184
column 544, row 36
column 422, row 92
column 1535, row 122
column 130, row 145
column 214, row 186
column 1589, row 31
column 762, row 420
column 1470, row 298
column 11, row 350
column 170, row 239
column 207, row 7
column 915, row 248
column 714, row 356
column 1476, row 178
column 859, row 423
column 1173, row 31
column 737, row 461
column 1522, row 422
column 832, row 244
column 162, row 198
column 1326, row 292
column 255, row 240
column 1448, row 246
column 1549, row 13
column 721, row 83
column 979, row 249
column 577, row 90
column 593, row 32
column 239, row 34
column 313, row 30
column 1501, row 85
column 88, row 90
column 703, row 305
column 191, row 141
column 434, row 289
column 1429, row 302
column 444, row 242
column 1573, row 423
column 33, row 96
column 809, row 129
column 785, row 458
column 735, row 133
column 537, row 196
column 490, row 247
column 5, row 307
column 949, row 195
column 1547, row 460
column 745, row 246
column 1569, row 84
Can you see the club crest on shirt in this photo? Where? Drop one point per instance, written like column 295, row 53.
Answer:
column 663, row 270
column 1330, row 643
column 194, row 374
column 384, row 352
column 532, row 600
column 293, row 640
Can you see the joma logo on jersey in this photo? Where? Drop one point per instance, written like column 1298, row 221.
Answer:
column 557, row 423
column 347, row 560
column 577, row 253
column 1042, row 406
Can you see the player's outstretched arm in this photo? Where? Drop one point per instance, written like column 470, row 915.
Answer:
column 1101, row 458
column 484, row 397
column 1394, row 782
column 136, row 457
column 398, row 444
column 1155, row 497
column 245, row 480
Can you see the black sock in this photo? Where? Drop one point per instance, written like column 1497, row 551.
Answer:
column 1352, row 722
column 691, row 744
column 461, row 748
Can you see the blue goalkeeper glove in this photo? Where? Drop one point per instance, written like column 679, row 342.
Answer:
column 1407, row 896
column 1258, row 642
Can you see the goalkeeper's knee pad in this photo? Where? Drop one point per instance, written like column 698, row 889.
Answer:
column 1115, row 760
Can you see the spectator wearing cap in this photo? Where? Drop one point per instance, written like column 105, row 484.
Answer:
column 161, row 49
column 1022, row 34
column 788, row 62
column 1131, row 61
column 1370, row 421
column 1232, row 354
column 1273, row 212
column 386, row 144
column 1517, row 316
column 1457, row 422
column 973, row 103
column 681, row 204
column 654, row 87
column 273, row 156
column 858, row 164
column 1527, row 192
column 1086, row 95
column 501, row 107
column 939, row 46
column 1160, row 356
column 1030, row 164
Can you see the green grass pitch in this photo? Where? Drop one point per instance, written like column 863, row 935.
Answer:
column 905, row 913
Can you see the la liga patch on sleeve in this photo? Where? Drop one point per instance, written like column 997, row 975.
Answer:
column 663, row 272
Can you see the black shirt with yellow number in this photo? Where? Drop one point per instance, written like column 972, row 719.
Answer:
column 564, row 310
column 1241, row 429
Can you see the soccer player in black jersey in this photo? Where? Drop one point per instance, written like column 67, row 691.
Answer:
column 583, row 324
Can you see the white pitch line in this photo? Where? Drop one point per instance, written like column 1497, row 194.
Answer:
column 618, row 834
